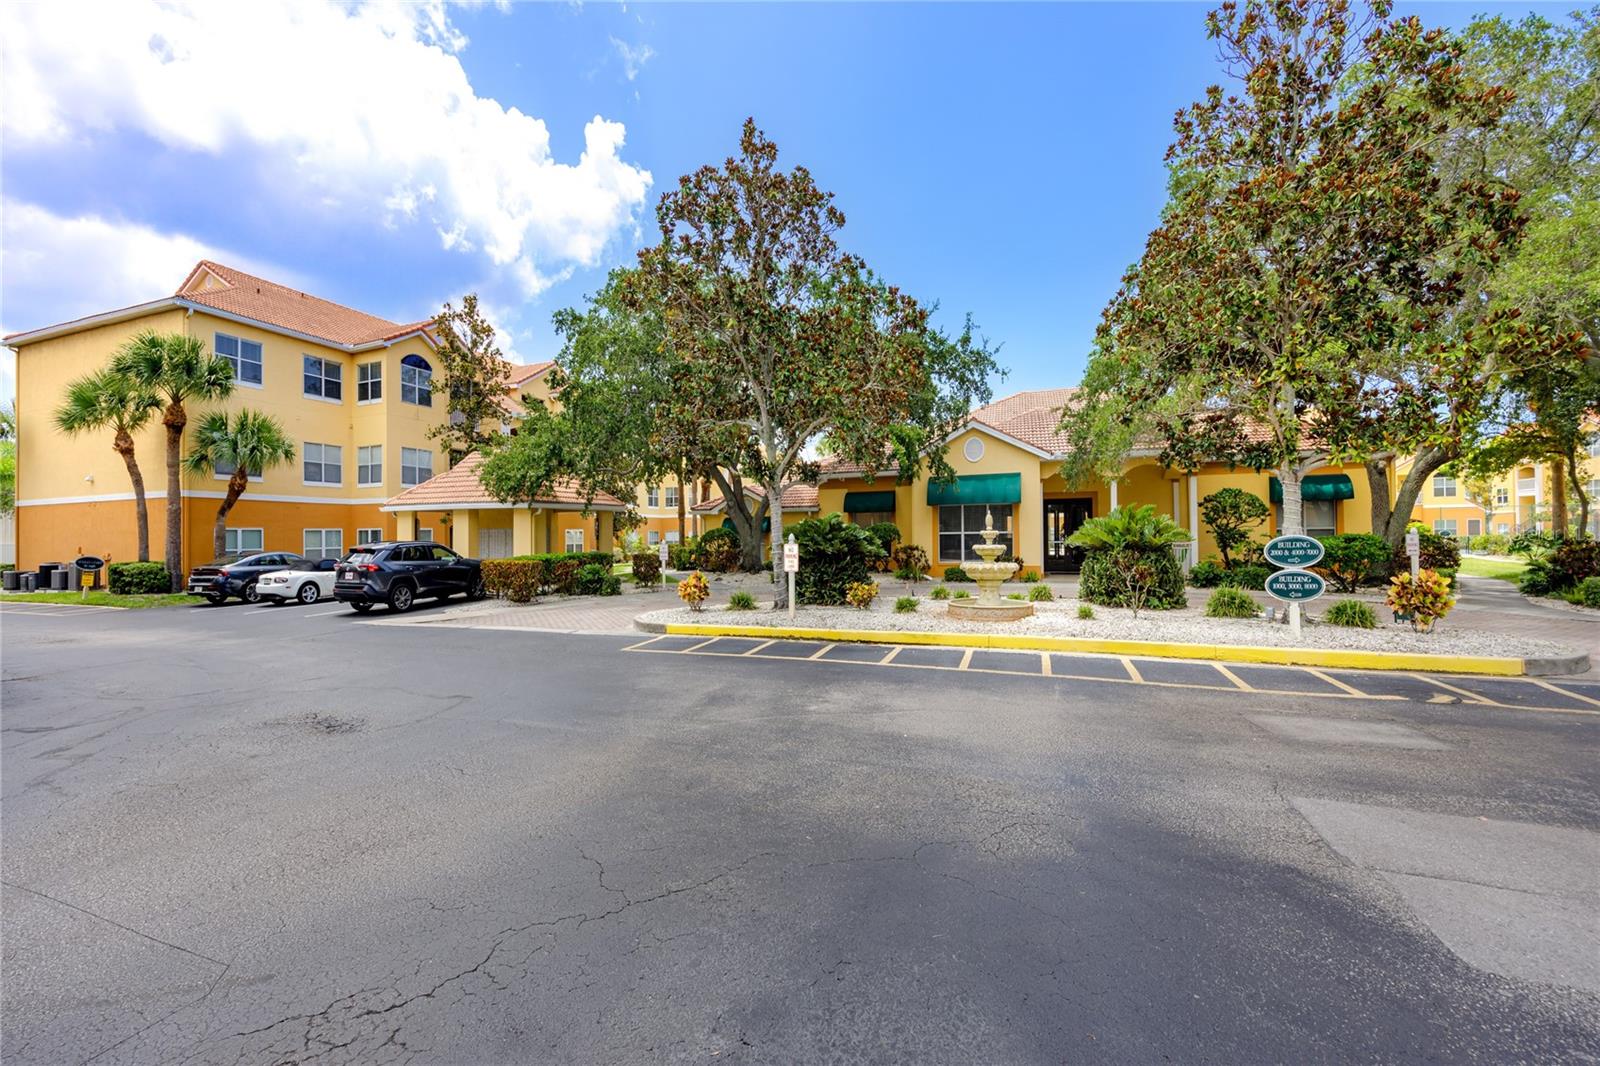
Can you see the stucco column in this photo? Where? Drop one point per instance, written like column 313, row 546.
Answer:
column 405, row 525
column 464, row 526
column 1538, row 496
column 606, row 535
column 1113, row 487
column 1193, row 489
column 522, row 541
column 1027, row 531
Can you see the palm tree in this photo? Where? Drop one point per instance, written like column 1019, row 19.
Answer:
column 177, row 369
column 109, row 400
column 248, row 443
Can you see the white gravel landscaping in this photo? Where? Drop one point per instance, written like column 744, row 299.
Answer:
column 1189, row 625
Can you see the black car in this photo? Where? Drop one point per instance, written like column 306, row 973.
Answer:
column 400, row 572
column 235, row 575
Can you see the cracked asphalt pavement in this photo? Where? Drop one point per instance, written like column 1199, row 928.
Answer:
column 283, row 836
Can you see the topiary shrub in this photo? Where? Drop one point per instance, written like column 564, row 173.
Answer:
column 646, row 569
column 1040, row 594
column 1350, row 560
column 591, row 579
column 719, row 550
column 1352, row 613
column 741, row 601
column 1231, row 514
column 564, row 574
column 694, row 590
column 833, row 556
column 137, row 579
column 517, row 580
column 1588, row 592
column 956, row 574
column 939, row 592
column 860, row 594
column 1230, row 602
column 1140, row 580
column 905, row 605
column 1207, row 575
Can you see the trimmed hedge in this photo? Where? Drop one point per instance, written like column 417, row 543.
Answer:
column 1351, row 560
column 517, row 580
column 524, row 578
column 719, row 550
column 646, row 569
column 1101, row 582
column 133, row 579
column 834, row 555
column 1437, row 553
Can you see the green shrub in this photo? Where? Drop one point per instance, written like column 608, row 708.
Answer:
column 905, row 605
column 1157, row 583
column 741, row 601
column 1536, row 580
column 1136, row 527
column 1436, row 552
column 1207, row 575
column 134, row 579
column 612, row 585
column 961, row 594
column 646, row 569
column 1013, row 595
column 1248, row 576
column 1588, row 592
column 887, row 535
column 1573, row 560
column 1085, row 612
column 1040, row 594
column 1491, row 543
column 910, row 558
column 956, row 574
column 1230, row 602
column 517, row 580
column 681, row 556
column 1028, row 577
column 939, row 593
column 1231, row 514
column 1532, row 542
column 833, row 556
column 564, row 574
column 1352, row 613
column 591, row 579
column 719, row 550
column 1350, row 560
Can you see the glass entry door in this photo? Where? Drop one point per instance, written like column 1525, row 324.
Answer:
column 1061, row 520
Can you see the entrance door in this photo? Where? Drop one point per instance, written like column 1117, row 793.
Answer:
column 494, row 543
column 1061, row 520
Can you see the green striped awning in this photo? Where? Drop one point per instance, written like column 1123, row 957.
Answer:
column 1316, row 487
column 860, row 502
column 976, row 488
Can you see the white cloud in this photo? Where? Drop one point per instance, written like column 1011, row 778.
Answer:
column 633, row 58
column 373, row 114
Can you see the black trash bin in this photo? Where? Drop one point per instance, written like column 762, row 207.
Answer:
column 11, row 580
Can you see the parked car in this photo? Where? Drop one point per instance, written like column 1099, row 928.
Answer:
column 308, row 585
column 238, row 575
column 401, row 572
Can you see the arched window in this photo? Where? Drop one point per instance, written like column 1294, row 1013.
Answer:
column 416, row 381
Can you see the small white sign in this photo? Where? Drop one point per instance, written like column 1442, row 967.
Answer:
column 791, row 558
column 1413, row 543
column 662, row 552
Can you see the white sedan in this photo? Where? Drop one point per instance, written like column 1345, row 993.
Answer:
column 306, row 586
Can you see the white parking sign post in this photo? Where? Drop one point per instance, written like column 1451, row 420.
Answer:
column 1414, row 549
column 791, row 566
column 662, row 552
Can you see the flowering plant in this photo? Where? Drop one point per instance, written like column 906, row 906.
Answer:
column 861, row 593
column 1426, row 599
column 694, row 590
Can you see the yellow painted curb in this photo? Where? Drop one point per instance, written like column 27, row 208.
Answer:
column 1153, row 649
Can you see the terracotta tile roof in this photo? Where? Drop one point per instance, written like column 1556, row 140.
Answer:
column 268, row 302
column 460, row 485
column 799, row 497
column 521, row 375
column 1031, row 417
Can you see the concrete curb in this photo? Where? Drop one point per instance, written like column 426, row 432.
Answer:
column 1151, row 649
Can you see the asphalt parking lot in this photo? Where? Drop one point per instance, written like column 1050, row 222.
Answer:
column 286, row 835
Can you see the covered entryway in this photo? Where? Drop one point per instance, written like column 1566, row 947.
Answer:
column 1061, row 520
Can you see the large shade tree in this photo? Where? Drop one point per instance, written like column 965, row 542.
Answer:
column 1307, row 240
column 242, row 445
column 179, row 370
column 473, row 373
column 107, row 400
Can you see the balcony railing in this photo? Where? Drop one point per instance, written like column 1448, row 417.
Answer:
column 1526, row 486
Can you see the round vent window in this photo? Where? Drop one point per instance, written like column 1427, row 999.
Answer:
column 973, row 449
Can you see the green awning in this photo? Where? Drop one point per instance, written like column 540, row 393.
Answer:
column 976, row 488
column 859, row 502
column 766, row 524
column 1317, row 487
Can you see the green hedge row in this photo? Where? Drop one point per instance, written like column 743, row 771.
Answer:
column 524, row 578
column 133, row 579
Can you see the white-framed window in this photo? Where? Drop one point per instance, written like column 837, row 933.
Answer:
column 416, row 465
column 653, row 537
column 323, row 464
column 369, row 464
column 672, row 536
column 1502, row 496
column 223, row 471
column 1474, row 527
column 1445, row 527
column 425, row 534
column 324, row 543
column 872, row 518
column 369, row 382
column 243, row 541
column 1592, row 489
column 960, row 527
column 416, row 381
column 1444, row 485
column 368, row 536
column 1320, row 517
column 652, row 496
column 1594, row 446
column 324, row 378
column 574, row 540
column 1502, row 527
column 670, row 495
column 244, row 355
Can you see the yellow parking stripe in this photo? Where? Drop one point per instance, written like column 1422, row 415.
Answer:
column 1044, row 663
column 887, row 659
column 1334, row 681
column 1565, row 692
column 1133, row 671
column 820, row 652
column 758, row 647
column 966, row 660
column 703, row 643
column 1231, row 676
column 1470, row 697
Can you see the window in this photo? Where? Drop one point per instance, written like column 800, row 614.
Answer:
column 244, row 355
column 1445, row 527
column 574, row 540
column 324, row 378
column 1502, row 497
column 225, row 471
column 242, row 541
column 653, row 538
column 961, row 527
column 1444, row 485
column 416, row 466
column 324, row 543
column 369, row 382
column 1592, row 489
column 652, row 496
column 416, row 381
column 323, row 464
column 369, row 465
column 368, row 536
column 1502, row 527
column 424, row 534
column 872, row 518
column 672, row 495
column 672, row 537
column 1474, row 527
column 1594, row 447
column 1320, row 517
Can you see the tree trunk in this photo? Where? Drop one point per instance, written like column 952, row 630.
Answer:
column 747, row 525
column 775, row 511
column 174, row 419
column 1389, row 520
column 1573, row 467
column 1558, row 496
column 141, row 511
column 219, row 531
column 683, row 504
column 1293, row 506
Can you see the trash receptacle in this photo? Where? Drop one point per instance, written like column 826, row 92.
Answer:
column 11, row 580
column 58, row 579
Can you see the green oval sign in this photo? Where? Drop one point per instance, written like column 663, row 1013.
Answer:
column 1295, row 586
column 1293, row 550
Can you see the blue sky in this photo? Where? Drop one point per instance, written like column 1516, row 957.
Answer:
column 1003, row 160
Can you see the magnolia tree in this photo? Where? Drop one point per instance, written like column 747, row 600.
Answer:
column 473, row 381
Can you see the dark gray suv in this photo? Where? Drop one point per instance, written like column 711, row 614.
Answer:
column 401, row 572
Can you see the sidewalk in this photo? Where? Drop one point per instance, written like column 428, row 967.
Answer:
column 1488, row 605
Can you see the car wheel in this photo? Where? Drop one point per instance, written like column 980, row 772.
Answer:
column 361, row 608
column 250, row 594
column 214, row 600
column 401, row 597
column 309, row 593
column 478, row 591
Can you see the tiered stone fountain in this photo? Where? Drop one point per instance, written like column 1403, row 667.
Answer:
column 989, row 574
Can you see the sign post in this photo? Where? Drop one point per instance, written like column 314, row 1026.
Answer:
column 661, row 553
column 1414, row 549
column 791, row 566
column 87, row 566
column 1294, row 585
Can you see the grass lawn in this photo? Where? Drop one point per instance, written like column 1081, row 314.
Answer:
column 1493, row 566
column 102, row 598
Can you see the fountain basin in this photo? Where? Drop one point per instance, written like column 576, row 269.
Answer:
column 980, row 611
